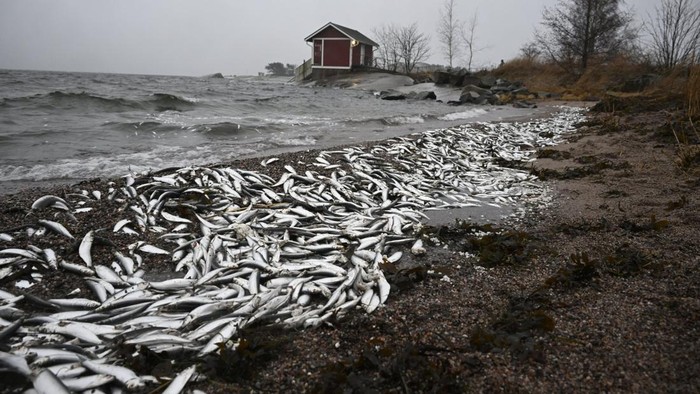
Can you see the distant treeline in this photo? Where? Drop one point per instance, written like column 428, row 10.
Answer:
column 280, row 70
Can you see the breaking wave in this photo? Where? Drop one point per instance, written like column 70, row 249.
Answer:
column 58, row 99
column 472, row 113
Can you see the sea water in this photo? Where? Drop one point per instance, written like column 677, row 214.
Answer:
column 65, row 127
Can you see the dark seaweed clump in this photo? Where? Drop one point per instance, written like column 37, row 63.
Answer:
column 506, row 248
column 417, row 366
column 518, row 329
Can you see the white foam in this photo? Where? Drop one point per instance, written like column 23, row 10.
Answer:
column 294, row 141
column 110, row 166
column 399, row 120
column 298, row 120
column 472, row 113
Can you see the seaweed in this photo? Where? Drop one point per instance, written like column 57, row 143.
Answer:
column 677, row 204
column 553, row 154
column 628, row 261
column 392, row 367
column 652, row 225
column 404, row 278
column 506, row 248
column 518, row 329
column 579, row 272
column 596, row 167
column 614, row 193
column 584, row 227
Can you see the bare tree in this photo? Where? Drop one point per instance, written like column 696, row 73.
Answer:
column 413, row 46
column 389, row 54
column 576, row 31
column 469, row 38
column 448, row 31
column 530, row 51
column 674, row 33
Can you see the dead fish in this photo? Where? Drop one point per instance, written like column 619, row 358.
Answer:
column 124, row 375
column 152, row 249
column 178, row 384
column 417, row 248
column 56, row 227
column 49, row 200
column 85, row 249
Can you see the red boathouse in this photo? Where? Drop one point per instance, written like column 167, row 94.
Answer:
column 336, row 47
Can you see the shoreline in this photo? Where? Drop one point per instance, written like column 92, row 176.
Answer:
column 606, row 274
column 545, row 109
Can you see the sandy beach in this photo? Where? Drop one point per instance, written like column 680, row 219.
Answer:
column 596, row 292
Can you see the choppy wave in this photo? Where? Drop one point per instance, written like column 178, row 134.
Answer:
column 282, row 140
column 225, row 128
column 80, row 100
column 117, row 165
column 400, row 120
column 471, row 113
column 171, row 102
column 144, row 126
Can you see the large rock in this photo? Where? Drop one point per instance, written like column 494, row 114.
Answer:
column 524, row 104
column 426, row 95
column 453, row 77
column 392, row 95
column 486, row 81
column 470, row 79
column 457, row 77
column 475, row 95
column 441, row 77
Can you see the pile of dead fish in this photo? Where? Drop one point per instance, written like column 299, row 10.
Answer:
column 246, row 249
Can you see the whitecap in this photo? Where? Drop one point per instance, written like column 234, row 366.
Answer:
column 472, row 113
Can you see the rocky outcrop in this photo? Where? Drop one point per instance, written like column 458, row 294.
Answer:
column 483, row 89
column 396, row 95
column 392, row 95
column 426, row 95
column 472, row 94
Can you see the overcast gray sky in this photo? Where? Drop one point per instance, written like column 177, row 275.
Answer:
column 198, row 37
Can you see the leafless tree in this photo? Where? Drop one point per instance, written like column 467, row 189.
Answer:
column 469, row 38
column 448, row 31
column 530, row 51
column 674, row 33
column 413, row 46
column 576, row 31
column 389, row 54
column 401, row 46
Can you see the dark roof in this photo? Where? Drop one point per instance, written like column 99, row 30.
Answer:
column 351, row 33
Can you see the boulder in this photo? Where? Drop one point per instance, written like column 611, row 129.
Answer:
column 470, row 79
column 473, row 88
column 425, row 95
column 392, row 95
column 453, row 77
column 486, row 81
column 524, row 104
column 440, row 77
column 457, row 77
column 475, row 95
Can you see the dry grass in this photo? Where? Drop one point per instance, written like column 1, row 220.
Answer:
column 609, row 76
column 536, row 75
column 600, row 78
column 693, row 92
